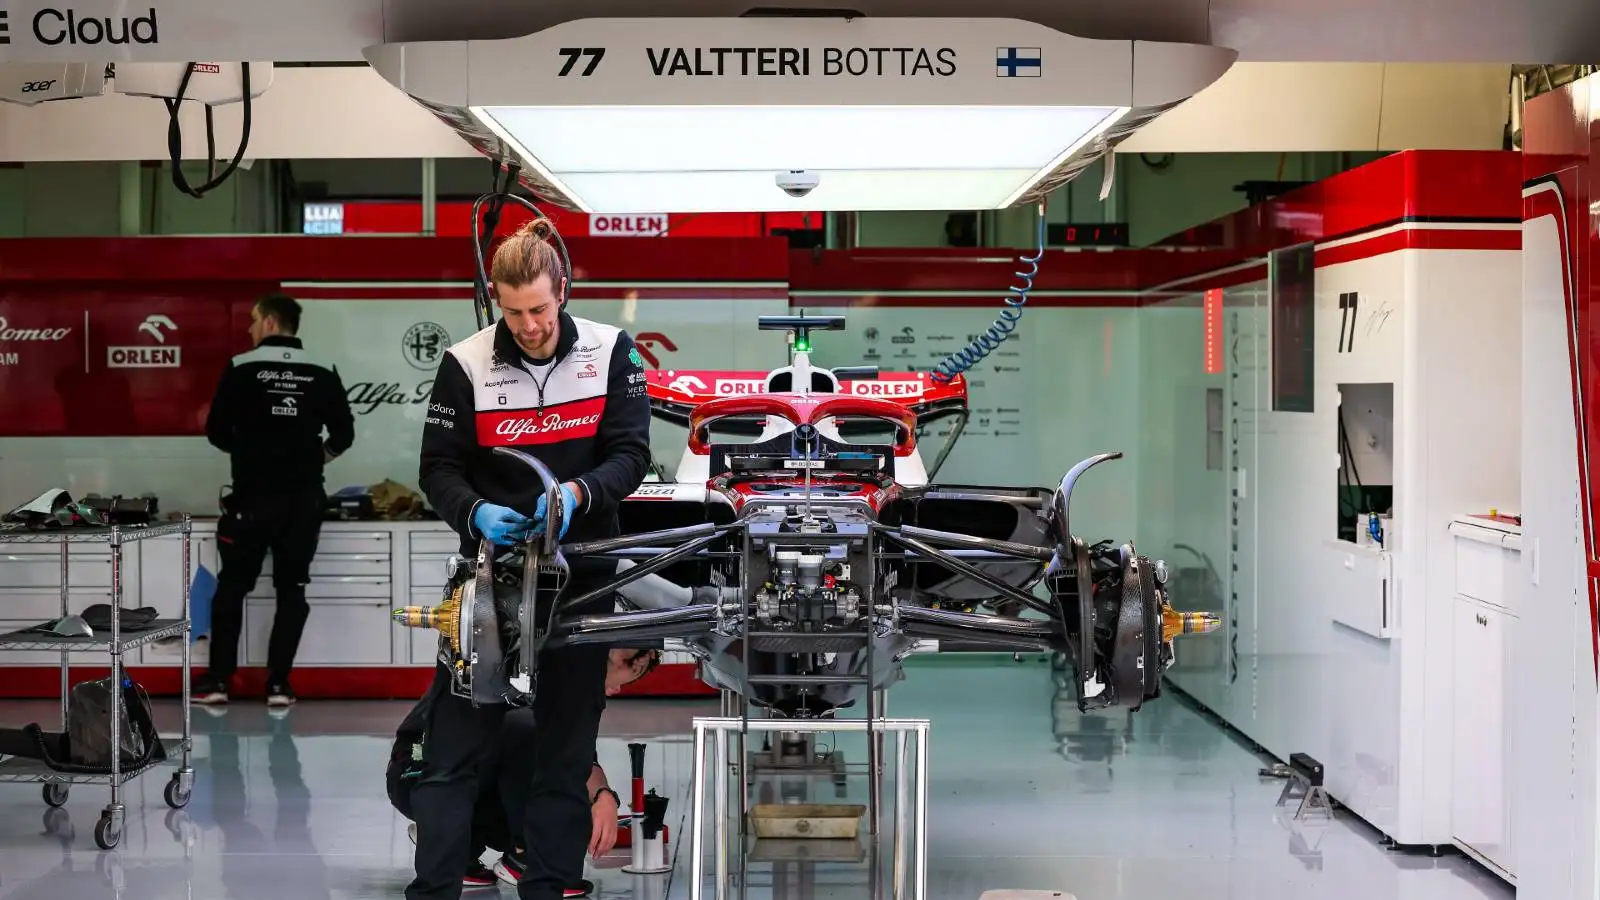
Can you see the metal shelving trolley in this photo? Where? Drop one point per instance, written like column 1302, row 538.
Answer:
column 108, row 830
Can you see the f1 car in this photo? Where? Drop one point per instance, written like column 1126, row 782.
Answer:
column 801, row 550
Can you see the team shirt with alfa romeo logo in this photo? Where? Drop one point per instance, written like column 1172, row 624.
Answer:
column 584, row 413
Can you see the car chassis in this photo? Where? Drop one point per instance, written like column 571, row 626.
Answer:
column 806, row 589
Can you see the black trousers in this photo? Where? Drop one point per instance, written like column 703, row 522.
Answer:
column 490, row 826
column 554, row 757
column 288, row 525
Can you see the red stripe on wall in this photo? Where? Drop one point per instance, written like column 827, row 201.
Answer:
column 1416, row 236
column 964, row 301
column 579, row 292
column 276, row 258
column 317, row 683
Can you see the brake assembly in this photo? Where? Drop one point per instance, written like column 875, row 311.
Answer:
column 489, row 621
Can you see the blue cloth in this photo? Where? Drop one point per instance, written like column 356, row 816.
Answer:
column 201, row 591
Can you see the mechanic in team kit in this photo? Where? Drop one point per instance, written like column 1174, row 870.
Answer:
column 271, row 408
column 572, row 393
column 502, row 791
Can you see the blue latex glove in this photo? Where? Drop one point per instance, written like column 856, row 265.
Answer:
column 569, row 506
column 501, row 525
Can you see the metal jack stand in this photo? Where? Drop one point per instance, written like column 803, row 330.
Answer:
column 1305, row 773
column 718, row 729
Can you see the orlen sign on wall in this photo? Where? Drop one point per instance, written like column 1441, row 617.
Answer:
column 160, row 352
column 628, row 226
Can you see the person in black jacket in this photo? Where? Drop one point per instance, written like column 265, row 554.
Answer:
column 503, row 788
column 269, row 414
column 570, row 392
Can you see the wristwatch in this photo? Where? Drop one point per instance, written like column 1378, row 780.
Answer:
column 605, row 790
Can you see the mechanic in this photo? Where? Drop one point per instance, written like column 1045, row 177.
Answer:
column 270, row 410
column 503, row 789
column 570, row 392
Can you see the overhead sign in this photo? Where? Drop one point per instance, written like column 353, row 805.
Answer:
column 779, row 60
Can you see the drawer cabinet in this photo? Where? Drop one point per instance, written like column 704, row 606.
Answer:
column 335, row 634
column 1486, row 563
column 1480, row 797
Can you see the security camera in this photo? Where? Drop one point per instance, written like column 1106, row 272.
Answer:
column 798, row 182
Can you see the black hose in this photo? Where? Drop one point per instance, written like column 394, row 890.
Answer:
column 496, row 198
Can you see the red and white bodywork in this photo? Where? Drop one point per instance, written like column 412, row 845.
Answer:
column 703, row 399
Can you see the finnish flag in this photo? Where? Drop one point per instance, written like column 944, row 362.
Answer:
column 1015, row 62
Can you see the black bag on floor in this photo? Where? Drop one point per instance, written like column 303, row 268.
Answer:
column 85, row 748
column 89, row 724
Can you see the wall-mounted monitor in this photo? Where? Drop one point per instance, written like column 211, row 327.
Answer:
column 1291, row 279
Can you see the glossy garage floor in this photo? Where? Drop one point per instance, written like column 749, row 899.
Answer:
column 1025, row 794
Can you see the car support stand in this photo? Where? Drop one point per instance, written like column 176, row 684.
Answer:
column 911, row 812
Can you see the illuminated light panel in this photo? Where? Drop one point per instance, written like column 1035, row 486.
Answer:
column 625, row 159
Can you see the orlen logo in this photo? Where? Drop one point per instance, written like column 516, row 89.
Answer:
column 883, row 388
column 734, row 387
column 646, row 344
column 67, row 26
column 688, row 384
column 515, row 430
column 33, row 87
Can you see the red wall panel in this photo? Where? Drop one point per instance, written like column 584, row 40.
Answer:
column 454, row 219
column 117, row 362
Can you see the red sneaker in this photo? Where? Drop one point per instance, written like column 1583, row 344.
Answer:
column 478, row 875
column 509, row 869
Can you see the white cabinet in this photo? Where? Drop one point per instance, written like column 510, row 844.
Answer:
column 362, row 571
column 1483, row 748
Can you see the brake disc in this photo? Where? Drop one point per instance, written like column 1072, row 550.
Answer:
column 1134, row 655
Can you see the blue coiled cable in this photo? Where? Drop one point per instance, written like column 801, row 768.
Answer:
column 995, row 335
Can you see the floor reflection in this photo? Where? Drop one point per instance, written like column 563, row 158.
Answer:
column 1025, row 793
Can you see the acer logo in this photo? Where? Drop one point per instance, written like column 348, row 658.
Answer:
column 32, row 87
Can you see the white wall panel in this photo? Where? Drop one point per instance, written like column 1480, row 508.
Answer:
column 1374, row 709
column 1283, row 106
column 322, row 113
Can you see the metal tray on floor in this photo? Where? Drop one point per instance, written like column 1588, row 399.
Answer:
column 807, row 821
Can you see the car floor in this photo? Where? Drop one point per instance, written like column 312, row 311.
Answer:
column 1025, row 793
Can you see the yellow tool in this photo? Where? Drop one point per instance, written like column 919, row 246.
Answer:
column 1174, row 623
column 445, row 618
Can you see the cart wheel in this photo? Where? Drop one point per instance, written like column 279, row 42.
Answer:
column 55, row 793
column 174, row 794
column 58, row 823
column 105, row 836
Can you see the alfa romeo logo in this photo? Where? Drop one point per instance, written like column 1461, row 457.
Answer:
column 424, row 343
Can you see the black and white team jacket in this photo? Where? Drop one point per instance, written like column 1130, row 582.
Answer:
column 584, row 413
column 269, row 413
